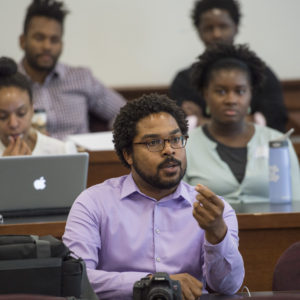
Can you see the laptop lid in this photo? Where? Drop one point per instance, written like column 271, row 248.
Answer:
column 37, row 185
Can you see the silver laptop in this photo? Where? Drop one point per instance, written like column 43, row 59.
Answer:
column 41, row 185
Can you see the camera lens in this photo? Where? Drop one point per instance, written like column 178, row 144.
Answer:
column 160, row 294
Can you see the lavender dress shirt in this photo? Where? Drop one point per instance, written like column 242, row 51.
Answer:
column 123, row 235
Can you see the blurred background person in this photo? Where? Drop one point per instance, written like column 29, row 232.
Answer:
column 67, row 94
column 229, row 154
column 17, row 136
column 217, row 22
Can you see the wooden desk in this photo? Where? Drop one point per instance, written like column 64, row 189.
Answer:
column 263, row 238
column 38, row 228
column 255, row 295
column 104, row 165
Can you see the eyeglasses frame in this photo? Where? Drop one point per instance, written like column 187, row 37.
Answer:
column 185, row 137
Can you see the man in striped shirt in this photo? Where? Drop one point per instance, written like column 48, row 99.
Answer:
column 67, row 94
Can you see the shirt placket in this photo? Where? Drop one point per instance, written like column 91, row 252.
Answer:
column 156, row 236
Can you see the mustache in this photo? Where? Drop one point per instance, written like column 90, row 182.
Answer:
column 45, row 53
column 167, row 161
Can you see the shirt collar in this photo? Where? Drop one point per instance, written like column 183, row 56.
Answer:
column 130, row 190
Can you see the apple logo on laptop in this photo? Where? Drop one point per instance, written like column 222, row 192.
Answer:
column 40, row 183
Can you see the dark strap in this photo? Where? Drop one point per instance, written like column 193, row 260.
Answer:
column 43, row 249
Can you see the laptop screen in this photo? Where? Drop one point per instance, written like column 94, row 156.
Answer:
column 39, row 185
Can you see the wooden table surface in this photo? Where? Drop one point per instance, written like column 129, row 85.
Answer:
column 263, row 238
column 104, row 165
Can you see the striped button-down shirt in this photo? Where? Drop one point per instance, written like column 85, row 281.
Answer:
column 68, row 94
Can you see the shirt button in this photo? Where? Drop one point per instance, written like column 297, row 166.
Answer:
column 157, row 259
column 157, row 231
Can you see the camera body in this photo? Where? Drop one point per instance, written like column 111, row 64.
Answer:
column 160, row 286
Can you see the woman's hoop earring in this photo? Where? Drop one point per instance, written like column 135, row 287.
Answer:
column 207, row 110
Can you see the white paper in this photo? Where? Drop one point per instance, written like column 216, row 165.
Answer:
column 96, row 141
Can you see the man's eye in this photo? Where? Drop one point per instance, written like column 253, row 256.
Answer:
column 21, row 114
column 39, row 37
column 55, row 40
column 176, row 140
column 207, row 28
column 154, row 142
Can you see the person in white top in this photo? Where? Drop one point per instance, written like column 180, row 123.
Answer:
column 17, row 136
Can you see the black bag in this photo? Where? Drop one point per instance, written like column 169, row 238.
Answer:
column 41, row 265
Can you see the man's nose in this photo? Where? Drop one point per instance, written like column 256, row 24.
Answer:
column 47, row 44
column 168, row 150
column 217, row 33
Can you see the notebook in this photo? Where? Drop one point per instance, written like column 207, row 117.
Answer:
column 41, row 185
column 93, row 141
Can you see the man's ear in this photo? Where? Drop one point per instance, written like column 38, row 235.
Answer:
column 128, row 157
column 22, row 41
column 236, row 32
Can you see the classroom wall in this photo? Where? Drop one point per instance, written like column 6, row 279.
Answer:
column 144, row 42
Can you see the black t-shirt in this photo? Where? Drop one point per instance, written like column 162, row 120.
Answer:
column 235, row 157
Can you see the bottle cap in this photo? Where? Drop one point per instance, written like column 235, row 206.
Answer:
column 278, row 144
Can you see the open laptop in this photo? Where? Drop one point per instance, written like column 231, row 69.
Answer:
column 41, row 185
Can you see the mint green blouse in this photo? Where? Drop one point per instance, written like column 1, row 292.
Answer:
column 205, row 166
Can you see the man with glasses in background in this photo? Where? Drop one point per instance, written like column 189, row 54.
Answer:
column 151, row 221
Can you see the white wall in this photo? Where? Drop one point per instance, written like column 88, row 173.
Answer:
column 144, row 42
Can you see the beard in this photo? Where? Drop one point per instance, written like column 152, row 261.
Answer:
column 34, row 64
column 155, row 180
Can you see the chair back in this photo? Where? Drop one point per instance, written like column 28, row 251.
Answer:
column 286, row 276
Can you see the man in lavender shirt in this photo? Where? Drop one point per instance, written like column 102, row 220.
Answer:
column 151, row 221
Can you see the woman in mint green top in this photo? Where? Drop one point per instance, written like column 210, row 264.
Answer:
column 230, row 154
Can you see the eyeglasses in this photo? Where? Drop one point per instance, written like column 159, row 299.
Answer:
column 156, row 145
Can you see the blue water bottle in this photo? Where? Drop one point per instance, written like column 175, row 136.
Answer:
column 280, row 189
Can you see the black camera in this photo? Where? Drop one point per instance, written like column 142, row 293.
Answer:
column 159, row 287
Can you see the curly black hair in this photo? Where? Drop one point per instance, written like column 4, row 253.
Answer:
column 124, row 128
column 228, row 57
column 45, row 8
column 10, row 77
column 201, row 6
